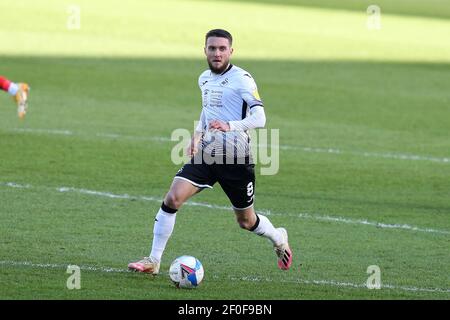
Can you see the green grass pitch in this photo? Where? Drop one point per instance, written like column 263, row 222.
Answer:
column 364, row 172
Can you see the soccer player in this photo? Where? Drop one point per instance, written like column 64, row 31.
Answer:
column 220, row 152
column 19, row 91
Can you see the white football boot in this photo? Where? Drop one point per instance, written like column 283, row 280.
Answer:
column 147, row 265
column 284, row 252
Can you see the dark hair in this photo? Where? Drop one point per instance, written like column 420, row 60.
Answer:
column 219, row 33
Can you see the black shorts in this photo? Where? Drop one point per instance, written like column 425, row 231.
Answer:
column 237, row 180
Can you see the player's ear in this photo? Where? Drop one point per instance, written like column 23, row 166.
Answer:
column 231, row 51
column 204, row 50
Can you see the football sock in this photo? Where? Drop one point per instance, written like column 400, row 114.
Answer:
column 13, row 88
column 263, row 227
column 162, row 230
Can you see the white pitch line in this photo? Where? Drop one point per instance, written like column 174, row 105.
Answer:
column 266, row 212
column 119, row 136
column 386, row 155
column 341, row 284
column 331, row 283
column 366, row 222
column 317, row 217
column 59, row 266
column 46, row 131
column 16, row 185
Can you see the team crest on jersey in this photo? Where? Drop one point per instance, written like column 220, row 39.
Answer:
column 224, row 82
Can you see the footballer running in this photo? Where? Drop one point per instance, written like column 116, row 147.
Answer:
column 220, row 152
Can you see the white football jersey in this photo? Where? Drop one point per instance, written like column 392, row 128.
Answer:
column 227, row 97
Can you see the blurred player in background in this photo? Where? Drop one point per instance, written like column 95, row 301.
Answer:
column 220, row 152
column 19, row 92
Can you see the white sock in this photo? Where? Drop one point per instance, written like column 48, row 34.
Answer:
column 13, row 88
column 266, row 229
column 162, row 230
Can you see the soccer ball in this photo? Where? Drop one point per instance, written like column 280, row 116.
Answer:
column 186, row 272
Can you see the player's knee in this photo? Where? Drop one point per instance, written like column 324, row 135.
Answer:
column 172, row 200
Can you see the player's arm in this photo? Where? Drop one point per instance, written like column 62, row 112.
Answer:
column 192, row 148
column 257, row 119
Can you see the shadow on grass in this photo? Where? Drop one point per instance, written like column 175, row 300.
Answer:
column 430, row 8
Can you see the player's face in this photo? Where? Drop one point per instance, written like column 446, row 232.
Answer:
column 218, row 53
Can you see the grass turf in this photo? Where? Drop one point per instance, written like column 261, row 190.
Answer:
column 103, row 97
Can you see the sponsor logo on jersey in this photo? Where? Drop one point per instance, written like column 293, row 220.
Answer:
column 256, row 95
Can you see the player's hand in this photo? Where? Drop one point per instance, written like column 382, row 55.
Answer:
column 219, row 125
column 191, row 150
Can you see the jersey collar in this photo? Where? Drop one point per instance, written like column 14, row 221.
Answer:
column 218, row 75
column 228, row 69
